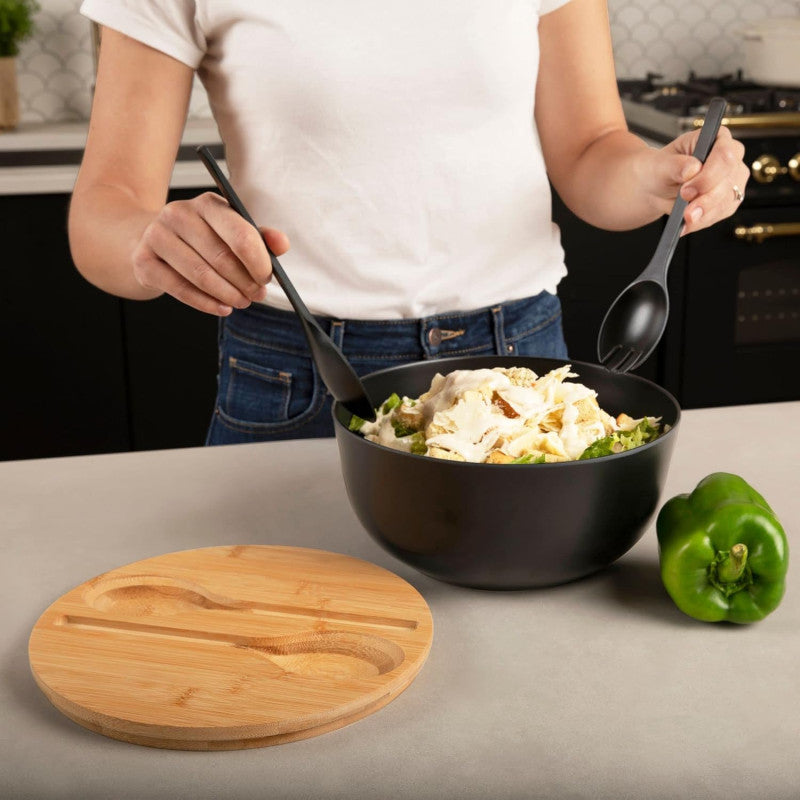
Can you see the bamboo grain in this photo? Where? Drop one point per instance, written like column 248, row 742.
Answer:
column 230, row 647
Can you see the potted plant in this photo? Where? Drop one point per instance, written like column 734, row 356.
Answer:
column 16, row 25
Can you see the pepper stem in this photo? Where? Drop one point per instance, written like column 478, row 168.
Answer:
column 729, row 571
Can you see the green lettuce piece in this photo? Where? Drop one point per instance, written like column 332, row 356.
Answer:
column 530, row 458
column 355, row 423
column 418, row 445
column 391, row 402
column 620, row 441
column 401, row 429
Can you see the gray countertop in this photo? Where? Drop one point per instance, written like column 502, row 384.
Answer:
column 59, row 147
column 596, row 689
column 43, row 158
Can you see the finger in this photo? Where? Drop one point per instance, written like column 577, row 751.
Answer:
column 213, row 252
column 711, row 195
column 720, row 202
column 276, row 240
column 724, row 159
column 243, row 240
column 167, row 236
column 154, row 273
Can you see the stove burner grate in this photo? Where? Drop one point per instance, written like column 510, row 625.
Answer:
column 690, row 97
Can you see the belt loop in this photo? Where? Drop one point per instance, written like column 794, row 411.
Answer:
column 337, row 332
column 499, row 333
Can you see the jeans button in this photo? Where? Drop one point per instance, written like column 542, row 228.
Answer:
column 435, row 337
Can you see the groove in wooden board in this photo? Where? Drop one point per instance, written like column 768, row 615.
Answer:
column 162, row 594
column 381, row 653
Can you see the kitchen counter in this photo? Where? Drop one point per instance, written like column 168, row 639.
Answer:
column 596, row 689
column 43, row 158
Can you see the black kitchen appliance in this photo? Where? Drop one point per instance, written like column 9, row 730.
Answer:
column 734, row 331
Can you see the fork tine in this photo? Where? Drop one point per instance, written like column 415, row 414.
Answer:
column 606, row 359
column 637, row 362
column 614, row 357
column 621, row 358
column 627, row 363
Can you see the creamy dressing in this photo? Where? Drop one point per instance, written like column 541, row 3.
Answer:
column 446, row 390
column 470, row 413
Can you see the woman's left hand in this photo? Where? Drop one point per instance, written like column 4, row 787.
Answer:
column 713, row 190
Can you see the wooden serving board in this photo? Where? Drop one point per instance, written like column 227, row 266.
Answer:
column 223, row 648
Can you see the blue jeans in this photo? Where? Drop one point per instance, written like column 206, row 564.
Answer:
column 269, row 388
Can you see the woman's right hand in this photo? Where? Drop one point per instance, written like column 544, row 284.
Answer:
column 204, row 254
column 123, row 238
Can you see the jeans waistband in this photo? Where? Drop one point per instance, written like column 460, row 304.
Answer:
column 435, row 336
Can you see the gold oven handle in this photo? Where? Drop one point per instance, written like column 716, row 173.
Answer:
column 766, row 230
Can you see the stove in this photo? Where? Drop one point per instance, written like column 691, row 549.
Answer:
column 667, row 109
column 734, row 330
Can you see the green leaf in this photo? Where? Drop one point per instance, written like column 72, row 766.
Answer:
column 418, row 445
column 391, row 402
column 401, row 429
column 356, row 423
column 620, row 441
column 600, row 447
column 529, row 458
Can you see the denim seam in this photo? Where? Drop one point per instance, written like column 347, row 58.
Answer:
column 464, row 350
column 242, row 366
column 534, row 329
column 266, row 345
column 374, row 357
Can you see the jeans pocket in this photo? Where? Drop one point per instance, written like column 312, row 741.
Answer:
column 265, row 391
column 255, row 394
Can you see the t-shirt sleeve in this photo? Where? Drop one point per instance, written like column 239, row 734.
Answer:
column 166, row 25
column 546, row 6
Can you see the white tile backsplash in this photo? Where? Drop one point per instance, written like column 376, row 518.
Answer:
column 669, row 37
column 55, row 68
column 672, row 37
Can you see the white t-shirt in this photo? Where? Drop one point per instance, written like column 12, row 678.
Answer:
column 394, row 142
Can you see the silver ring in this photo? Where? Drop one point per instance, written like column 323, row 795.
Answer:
column 738, row 194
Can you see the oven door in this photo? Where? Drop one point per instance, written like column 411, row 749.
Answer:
column 739, row 312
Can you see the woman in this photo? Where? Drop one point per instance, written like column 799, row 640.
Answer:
column 405, row 148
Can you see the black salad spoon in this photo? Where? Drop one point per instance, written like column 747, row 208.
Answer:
column 336, row 371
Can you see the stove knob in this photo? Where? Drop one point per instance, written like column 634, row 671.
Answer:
column 794, row 166
column 766, row 168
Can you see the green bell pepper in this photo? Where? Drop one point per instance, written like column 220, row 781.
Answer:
column 723, row 553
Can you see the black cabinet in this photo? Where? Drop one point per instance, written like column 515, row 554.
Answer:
column 60, row 342
column 171, row 368
column 85, row 372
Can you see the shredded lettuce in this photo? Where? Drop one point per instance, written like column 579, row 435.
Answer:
column 391, row 402
column 619, row 441
column 530, row 458
column 401, row 429
column 418, row 445
column 355, row 423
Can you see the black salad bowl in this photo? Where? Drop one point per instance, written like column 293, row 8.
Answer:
column 508, row 526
